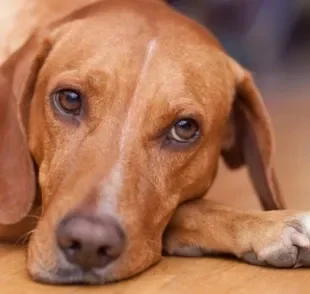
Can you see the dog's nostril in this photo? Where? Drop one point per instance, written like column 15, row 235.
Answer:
column 102, row 251
column 75, row 246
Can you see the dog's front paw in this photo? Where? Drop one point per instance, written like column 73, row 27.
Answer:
column 285, row 244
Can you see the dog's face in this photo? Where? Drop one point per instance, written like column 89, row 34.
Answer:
column 127, row 114
column 120, row 126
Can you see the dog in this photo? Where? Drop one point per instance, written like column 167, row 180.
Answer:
column 113, row 121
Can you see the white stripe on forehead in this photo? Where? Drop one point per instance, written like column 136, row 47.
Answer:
column 113, row 183
column 111, row 188
column 136, row 101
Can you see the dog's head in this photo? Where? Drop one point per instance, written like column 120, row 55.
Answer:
column 126, row 109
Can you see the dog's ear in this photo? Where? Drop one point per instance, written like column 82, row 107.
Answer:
column 17, row 176
column 249, row 139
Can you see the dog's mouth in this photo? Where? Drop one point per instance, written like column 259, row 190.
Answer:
column 66, row 273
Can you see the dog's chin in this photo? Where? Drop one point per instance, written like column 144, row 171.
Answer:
column 71, row 275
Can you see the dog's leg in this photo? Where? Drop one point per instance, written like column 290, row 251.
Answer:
column 276, row 238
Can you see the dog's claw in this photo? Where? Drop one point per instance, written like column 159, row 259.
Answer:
column 251, row 257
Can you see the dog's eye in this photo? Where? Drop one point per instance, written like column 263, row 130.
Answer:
column 68, row 101
column 184, row 130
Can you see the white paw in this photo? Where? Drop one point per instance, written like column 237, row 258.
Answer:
column 290, row 248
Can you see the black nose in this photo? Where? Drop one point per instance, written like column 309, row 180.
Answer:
column 90, row 242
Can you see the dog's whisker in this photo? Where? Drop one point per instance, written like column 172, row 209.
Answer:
column 24, row 238
column 33, row 216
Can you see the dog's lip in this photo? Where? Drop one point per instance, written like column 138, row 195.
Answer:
column 63, row 276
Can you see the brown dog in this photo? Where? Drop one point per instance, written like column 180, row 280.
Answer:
column 125, row 108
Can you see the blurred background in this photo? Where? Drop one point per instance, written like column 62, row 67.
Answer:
column 272, row 39
column 264, row 35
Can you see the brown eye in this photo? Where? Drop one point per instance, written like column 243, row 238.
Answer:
column 68, row 101
column 184, row 130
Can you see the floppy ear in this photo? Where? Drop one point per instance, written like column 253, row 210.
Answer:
column 17, row 176
column 249, row 140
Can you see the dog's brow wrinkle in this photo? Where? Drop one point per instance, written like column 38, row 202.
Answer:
column 150, row 50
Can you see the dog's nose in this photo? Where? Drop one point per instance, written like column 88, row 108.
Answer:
column 90, row 242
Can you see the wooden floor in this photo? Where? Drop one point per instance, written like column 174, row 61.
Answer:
column 172, row 275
